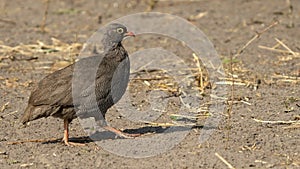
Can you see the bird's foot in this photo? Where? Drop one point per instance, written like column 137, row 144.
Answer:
column 68, row 143
column 120, row 133
column 128, row 135
column 74, row 144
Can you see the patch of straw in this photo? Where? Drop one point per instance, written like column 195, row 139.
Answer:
column 41, row 47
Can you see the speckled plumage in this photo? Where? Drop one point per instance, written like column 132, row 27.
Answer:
column 53, row 94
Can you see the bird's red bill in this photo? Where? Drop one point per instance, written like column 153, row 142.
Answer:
column 129, row 34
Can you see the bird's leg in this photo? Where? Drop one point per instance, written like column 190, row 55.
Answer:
column 66, row 135
column 120, row 133
column 66, row 132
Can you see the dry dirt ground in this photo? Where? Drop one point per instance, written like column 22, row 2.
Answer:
column 267, row 82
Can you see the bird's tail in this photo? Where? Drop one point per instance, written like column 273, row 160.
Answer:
column 36, row 112
column 27, row 116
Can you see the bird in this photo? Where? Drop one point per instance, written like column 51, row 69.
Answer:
column 53, row 96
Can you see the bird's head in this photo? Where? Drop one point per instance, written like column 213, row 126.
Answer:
column 115, row 33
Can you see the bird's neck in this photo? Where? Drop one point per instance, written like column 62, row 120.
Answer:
column 115, row 50
column 110, row 46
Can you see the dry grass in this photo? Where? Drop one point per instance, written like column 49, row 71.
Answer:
column 285, row 54
column 30, row 51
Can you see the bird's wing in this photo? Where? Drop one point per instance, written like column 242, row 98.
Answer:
column 54, row 89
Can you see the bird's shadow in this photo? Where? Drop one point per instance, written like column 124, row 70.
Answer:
column 107, row 135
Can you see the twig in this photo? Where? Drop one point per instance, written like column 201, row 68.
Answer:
column 280, row 43
column 33, row 141
column 190, row 117
column 243, row 101
column 45, row 16
column 224, row 161
column 11, row 113
column 283, row 78
column 4, row 107
column 231, row 83
column 26, row 165
column 183, row 116
column 152, row 78
column 287, row 48
column 8, row 21
column 277, row 122
column 167, row 124
column 279, row 50
column 258, row 34
column 200, row 75
column 293, row 126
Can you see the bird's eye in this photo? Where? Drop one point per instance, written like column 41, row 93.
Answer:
column 120, row 30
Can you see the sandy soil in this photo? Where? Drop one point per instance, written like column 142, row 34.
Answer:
column 271, row 78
